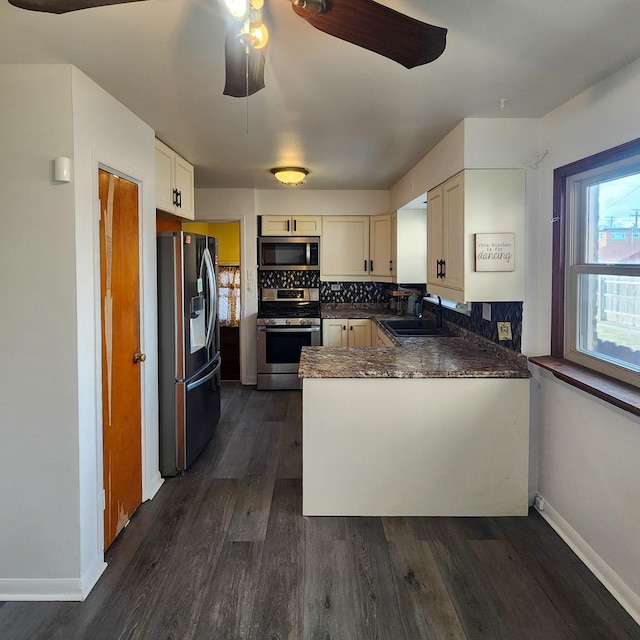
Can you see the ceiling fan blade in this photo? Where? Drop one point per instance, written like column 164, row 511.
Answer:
column 238, row 61
column 63, row 6
column 377, row 28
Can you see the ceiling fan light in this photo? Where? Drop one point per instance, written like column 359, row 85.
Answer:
column 238, row 8
column 259, row 36
column 290, row 176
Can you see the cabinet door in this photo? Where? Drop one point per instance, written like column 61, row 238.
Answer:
column 183, row 173
column 276, row 226
column 164, row 177
column 382, row 339
column 435, row 232
column 393, row 267
column 453, row 207
column 306, row 226
column 334, row 333
column 359, row 333
column 380, row 247
column 345, row 248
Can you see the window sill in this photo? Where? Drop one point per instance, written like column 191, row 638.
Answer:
column 619, row 394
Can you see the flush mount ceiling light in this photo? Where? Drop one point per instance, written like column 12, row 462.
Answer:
column 290, row 176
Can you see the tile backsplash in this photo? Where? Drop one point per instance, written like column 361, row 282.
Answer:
column 354, row 292
column 288, row 279
column 500, row 312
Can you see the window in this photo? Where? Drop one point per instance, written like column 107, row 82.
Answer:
column 596, row 306
column 229, row 296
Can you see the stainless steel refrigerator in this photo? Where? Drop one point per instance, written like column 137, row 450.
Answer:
column 188, row 347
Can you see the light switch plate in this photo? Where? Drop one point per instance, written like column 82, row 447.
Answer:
column 335, row 287
column 504, row 330
column 486, row 311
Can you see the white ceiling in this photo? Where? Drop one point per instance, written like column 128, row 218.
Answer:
column 355, row 119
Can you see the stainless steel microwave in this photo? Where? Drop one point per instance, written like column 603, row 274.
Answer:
column 295, row 253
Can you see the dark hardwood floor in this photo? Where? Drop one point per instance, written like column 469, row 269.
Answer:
column 223, row 553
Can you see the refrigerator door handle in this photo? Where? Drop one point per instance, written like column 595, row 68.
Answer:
column 196, row 383
column 207, row 264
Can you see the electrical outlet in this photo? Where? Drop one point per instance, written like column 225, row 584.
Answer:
column 486, row 311
column 539, row 503
column 504, row 330
column 335, row 287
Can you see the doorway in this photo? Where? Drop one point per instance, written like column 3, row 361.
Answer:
column 121, row 355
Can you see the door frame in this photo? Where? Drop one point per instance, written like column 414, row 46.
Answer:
column 246, row 336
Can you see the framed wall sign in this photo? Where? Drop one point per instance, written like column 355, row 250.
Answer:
column 495, row 251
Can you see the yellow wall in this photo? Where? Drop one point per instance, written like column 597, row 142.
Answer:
column 228, row 234
column 196, row 227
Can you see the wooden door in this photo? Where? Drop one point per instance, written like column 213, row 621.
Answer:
column 121, row 357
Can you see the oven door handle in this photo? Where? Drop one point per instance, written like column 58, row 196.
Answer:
column 299, row 329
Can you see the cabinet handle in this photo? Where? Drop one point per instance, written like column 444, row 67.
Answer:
column 365, row 265
column 444, row 264
column 350, row 328
column 175, row 197
column 179, row 199
column 288, row 225
column 370, row 265
column 390, row 265
column 344, row 327
column 295, row 225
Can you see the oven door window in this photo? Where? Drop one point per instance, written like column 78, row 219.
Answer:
column 283, row 345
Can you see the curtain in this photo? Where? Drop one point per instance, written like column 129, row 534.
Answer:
column 229, row 296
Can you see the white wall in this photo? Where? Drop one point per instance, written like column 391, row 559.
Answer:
column 50, row 406
column 39, row 491
column 107, row 134
column 589, row 451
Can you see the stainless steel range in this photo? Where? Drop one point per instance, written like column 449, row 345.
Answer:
column 288, row 319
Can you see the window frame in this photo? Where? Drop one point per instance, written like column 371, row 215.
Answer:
column 563, row 257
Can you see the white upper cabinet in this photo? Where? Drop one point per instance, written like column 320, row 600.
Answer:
column 174, row 182
column 291, row 225
column 344, row 248
column 380, row 247
column 476, row 201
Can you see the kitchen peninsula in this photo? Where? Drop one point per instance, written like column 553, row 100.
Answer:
column 438, row 426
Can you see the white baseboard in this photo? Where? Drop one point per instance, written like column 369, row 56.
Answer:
column 51, row 589
column 609, row 578
column 154, row 486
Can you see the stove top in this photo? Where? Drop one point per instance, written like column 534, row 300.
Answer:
column 290, row 303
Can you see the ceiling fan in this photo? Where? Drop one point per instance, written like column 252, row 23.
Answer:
column 364, row 23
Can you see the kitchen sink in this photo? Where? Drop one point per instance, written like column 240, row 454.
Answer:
column 415, row 327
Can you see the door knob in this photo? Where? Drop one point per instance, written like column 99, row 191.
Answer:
column 138, row 356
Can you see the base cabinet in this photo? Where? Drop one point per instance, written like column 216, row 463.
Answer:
column 346, row 333
column 382, row 339
column 368, row 450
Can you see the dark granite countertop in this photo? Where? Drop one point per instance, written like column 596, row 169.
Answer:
column 464, row 355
